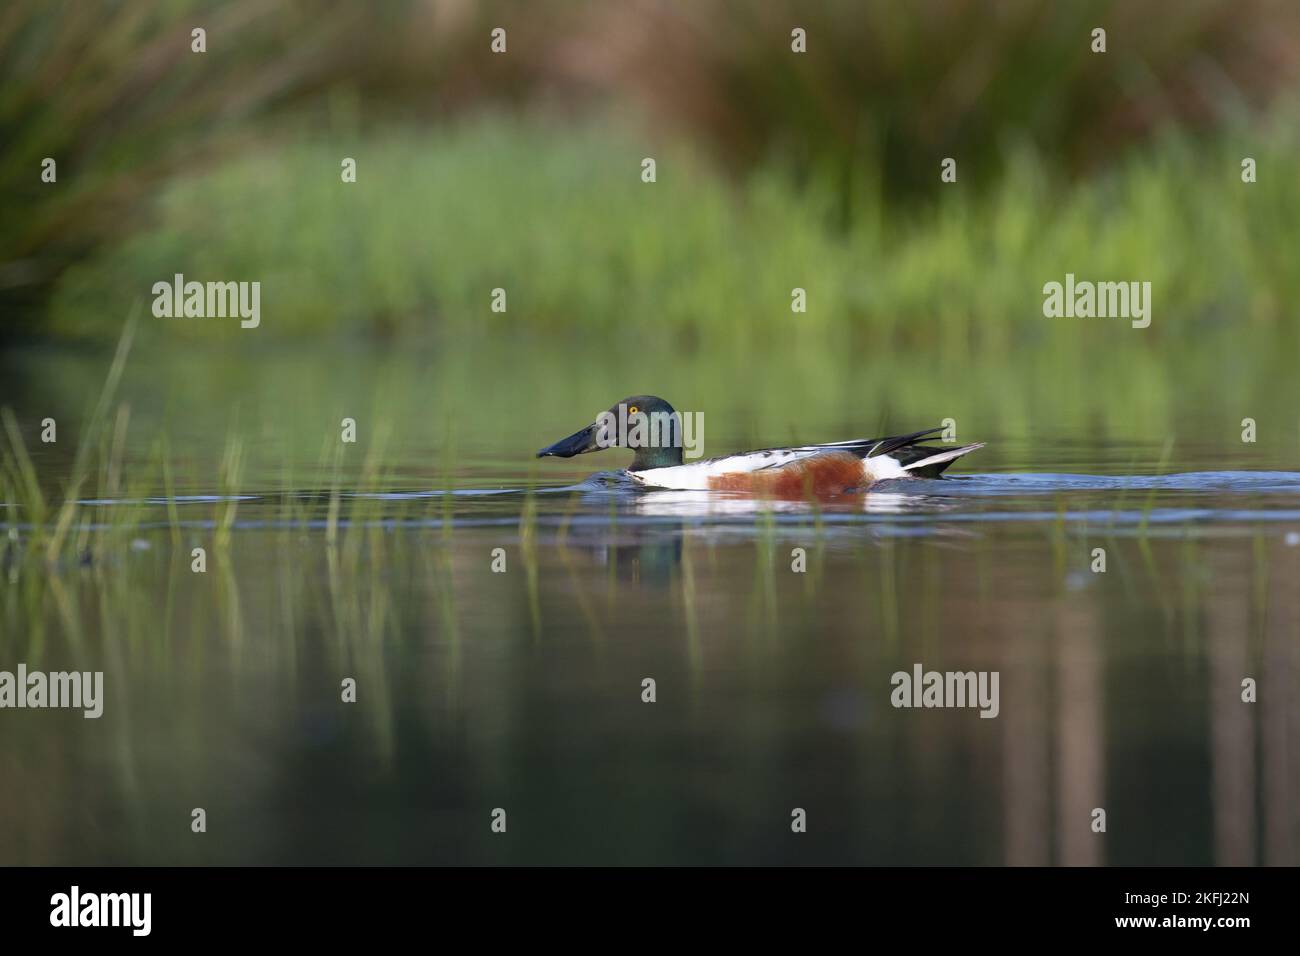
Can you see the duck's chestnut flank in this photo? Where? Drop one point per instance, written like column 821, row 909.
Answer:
column 820, row 476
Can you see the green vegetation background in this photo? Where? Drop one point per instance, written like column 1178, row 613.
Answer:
column 775, row 170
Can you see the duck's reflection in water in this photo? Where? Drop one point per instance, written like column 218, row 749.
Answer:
column 696, row 504
column 642, row 540
column 652, row 560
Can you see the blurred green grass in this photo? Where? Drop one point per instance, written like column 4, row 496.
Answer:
column 582, row 246
column 849, row 133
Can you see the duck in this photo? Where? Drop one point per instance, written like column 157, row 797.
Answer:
column 652, row 429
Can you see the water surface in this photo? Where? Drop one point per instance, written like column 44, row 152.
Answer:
column 522, row 688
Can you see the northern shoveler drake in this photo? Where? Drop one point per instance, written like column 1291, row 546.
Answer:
column 653, row 430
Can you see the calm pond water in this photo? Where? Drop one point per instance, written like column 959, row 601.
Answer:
column 522, row 688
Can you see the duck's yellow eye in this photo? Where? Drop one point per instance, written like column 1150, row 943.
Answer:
column 632, row 410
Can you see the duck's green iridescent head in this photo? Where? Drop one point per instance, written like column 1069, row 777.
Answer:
column 646, row 424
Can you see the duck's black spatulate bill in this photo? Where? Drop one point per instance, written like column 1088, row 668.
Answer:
column 580, row 442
